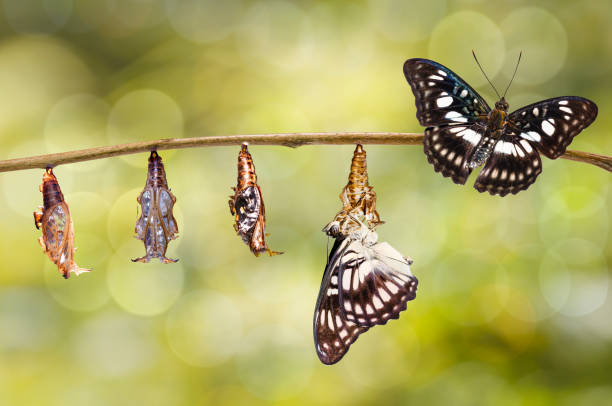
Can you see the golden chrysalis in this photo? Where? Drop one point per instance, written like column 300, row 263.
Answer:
column 156, row 226
column 248, row 207
column 358, row 200
column 53, row 217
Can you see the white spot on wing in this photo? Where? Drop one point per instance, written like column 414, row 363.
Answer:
column 441, row 72
column 346, row 280
column 536, row 111
column 504, row 147
column 548, row 127
column 566, row 109
column 456, row 116
column 563, row 102
column 384, row 295
column 436, row 77
column 526, row 146
column 444, row 101
column 471, row 136
column 377, row 303
column 532, row 136
column 463, row 93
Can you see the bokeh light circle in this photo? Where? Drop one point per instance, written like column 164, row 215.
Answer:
column 379, row 359
column 275, row 363
column 276, row 32
column 204, row 20
column 115, row 345
column 543, row 40
column 404, row 21
column 586, row 284
column 78, row 121
column 204, row 328
column 29, row 320
column 33, row 16
column 86, row 292
column 143, row 289
column 143, row 115
column 476, row 294
column 454, row 38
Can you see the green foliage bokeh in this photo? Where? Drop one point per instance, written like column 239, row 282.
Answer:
column 513, row 304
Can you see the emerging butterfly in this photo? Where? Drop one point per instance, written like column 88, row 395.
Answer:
column 463, row 132
column 365, row 283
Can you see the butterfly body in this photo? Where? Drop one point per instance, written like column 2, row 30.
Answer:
column 463, row 132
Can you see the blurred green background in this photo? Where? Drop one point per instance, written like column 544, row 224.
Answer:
column 514, row 303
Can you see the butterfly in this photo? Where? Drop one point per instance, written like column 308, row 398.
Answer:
column 464, row 133
column 365, row 283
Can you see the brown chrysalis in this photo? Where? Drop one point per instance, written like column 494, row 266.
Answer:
column 54, row 219
column 248, row 207
column 358, row 200
column 156, row 226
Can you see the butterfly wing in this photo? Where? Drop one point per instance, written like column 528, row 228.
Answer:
column 376, row 283
column 449, row 148
column 512, row 166
column 333, row 335
column 441, row 96
column 550, row 125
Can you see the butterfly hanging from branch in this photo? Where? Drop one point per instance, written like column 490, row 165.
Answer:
column 463, row 132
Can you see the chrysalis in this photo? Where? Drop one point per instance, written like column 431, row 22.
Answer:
column 358, row 200
column 53, row 217
column 248, row 207
column 156, row 226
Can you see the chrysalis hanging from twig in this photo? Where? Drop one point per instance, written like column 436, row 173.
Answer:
column 54, row 219
column 156, row 226
column 358, row 200
column 248, row 207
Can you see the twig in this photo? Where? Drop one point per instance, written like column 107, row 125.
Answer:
column 292, row 140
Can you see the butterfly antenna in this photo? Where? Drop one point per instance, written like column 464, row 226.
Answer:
column 514, row 74
column 485, row 75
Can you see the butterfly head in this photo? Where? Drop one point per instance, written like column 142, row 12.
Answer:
column 502, row 104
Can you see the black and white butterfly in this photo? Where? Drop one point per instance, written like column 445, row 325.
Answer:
column 365, row 283
column 463, row 132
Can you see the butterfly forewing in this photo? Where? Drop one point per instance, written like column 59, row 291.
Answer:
column 375, row 283
column 552, row 124
column 333, row 334
column 449, row 147
column 513, row 165
column 441, row 96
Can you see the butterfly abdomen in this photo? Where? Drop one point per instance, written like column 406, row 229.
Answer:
column 482, row 153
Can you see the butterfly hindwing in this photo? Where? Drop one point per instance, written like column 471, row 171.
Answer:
column 550, row 125
column 441, row 96
column 375, row 283
column 513, row 165
column 449, row 148
column 333, row 334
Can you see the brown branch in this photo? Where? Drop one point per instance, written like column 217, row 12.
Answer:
column 292, row 140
